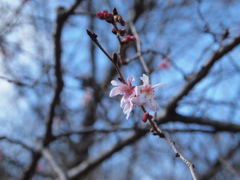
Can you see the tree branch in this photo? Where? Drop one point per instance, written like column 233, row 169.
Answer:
column 215, row 56
column 62, row 16
column 56, row 168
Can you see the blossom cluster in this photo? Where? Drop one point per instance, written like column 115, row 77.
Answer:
column 142, row 95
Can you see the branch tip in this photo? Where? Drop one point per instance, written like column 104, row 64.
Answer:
column 93, row 36
column 115, row 11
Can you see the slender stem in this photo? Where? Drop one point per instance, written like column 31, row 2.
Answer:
column 161, row 134
column 94, row 39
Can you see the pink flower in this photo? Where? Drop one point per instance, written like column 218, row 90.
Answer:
column 127, row 90
column 164, row 64
column 135, row 95
column 145, row 94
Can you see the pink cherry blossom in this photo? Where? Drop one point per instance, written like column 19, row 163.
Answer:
column 145, row 94
column 135, row 95
column 127, row 90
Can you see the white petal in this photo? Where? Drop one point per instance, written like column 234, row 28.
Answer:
column 152, row 104
column 158, row 85
column 114, row 83
column 130, row 79
column 145, row 79
column 115, row 91
column 137, row 90
column 122, row 102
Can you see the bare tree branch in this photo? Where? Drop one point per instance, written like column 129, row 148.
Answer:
column 17, row 142
column 62, row 16
column 215, row 56
column 59, row 171
column 87, row 165
column 217, row 126
column 161, row 134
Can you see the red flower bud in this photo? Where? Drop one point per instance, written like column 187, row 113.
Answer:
column 100, row 15
column 128, row 38
column 106, row 15
column 144, row 119
column 133, row 38
column 109, row 17
column 105, row 11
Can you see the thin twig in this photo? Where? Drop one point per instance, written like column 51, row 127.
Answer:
column 56, row 168
column 93, row 36
column 139, row 50
column 161, row 134
column 17, row 142
column 229, row 167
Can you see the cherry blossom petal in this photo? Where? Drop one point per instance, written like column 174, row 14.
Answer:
column 115, row 91
column 145, row 79
column 158, row 85
column 130, row 79
column 152, row 104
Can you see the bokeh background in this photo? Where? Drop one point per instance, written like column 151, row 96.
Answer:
column 58, row 121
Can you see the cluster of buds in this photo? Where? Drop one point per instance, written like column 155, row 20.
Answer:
column 104, row 15
column 111, row 17
column 114, row 18
column 120, row 32
column 146, row 116
column 128, row 38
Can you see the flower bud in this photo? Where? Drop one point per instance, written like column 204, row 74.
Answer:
column 105, row 15
column 116, row 18
column 114, row 31
column 105, row 11
column 122, row 32
column 109, row 17
column 128, row 38
column 100, row 15
column 122, row 22
column 144, row 119
column 133, row 38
